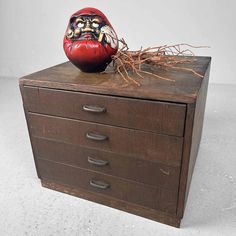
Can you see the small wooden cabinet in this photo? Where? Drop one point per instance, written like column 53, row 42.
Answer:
column 132, row 148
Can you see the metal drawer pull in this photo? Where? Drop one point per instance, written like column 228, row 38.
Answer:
column 94, row 109
column 97, row 162
column 99, row 184
column 96, row 137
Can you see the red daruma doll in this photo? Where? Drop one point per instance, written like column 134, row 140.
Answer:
column 90, row 40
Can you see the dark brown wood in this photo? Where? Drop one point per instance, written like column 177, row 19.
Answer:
column 141, row 194
column 27, row 121
column 151, row 146
column 67, row 77
column 113, row 202
column 193, row 132
column 185, row 159
column 160, row 117
column 135, row 168
column 132, row 148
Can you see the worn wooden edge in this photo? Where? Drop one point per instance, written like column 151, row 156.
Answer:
column 205, row 79
column 114, row 203
column 165, row 97
column 186, row 170
column 105, row 91
column 119, row 91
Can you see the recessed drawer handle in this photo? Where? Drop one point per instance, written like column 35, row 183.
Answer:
column 97, row 162
column 96, row 137
column 99, row 184
column 94, row 109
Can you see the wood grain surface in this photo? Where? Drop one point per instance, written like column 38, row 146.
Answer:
column 141, row 194
column 67, row 77
column 151, row 146
column 147, row 136
column 133, row 168
column 160, row 117
column 139, row 210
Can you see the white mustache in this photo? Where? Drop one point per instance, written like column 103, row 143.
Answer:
column 110, row 36
column 106, row 31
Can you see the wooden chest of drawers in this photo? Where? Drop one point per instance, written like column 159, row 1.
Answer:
column 128, row 147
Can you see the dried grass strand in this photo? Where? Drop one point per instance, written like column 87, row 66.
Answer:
column 128, row 64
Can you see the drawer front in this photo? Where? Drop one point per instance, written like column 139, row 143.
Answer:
column 147, row 172
column 160, row 117
column 150, row 146
column 140, row 194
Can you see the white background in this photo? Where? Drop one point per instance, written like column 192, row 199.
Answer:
column 32, row 30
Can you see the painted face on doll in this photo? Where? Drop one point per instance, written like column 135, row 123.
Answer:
column 90, row 40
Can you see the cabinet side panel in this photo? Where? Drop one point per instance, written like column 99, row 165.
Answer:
column 197, row 127
column 193, row 132
column 28, row 125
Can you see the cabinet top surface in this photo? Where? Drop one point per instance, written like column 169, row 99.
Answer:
column 183, row 89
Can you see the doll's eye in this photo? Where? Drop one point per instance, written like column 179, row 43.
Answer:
column 95, row 24
column 80, row 25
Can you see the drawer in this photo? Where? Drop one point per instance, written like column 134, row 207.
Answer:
column 148, row 145
column 148, row 196
column 160, row 117
column 135, row 169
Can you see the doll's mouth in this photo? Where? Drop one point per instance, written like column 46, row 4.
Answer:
column 90, row 36
column 87, row 36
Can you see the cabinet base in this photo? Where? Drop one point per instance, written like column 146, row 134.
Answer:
column 114, row 203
